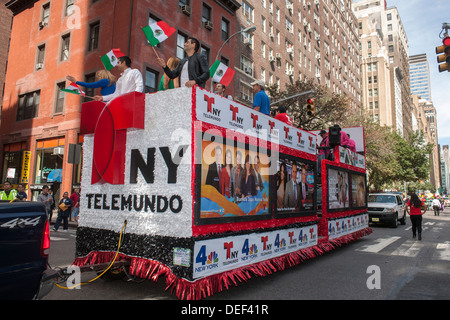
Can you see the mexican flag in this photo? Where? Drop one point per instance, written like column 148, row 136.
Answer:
column 158, row 32
column 73, row 88
column 111, row 59
column 221, row 73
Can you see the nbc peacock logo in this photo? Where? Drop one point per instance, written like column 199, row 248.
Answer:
column 212, row 258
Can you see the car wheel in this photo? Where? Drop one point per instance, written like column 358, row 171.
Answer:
column 394, row 220
column 403, row 220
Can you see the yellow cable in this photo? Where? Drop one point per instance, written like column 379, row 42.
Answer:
column 110, row 265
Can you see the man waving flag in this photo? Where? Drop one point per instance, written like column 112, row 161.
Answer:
column 221, row 73
column 158, row 32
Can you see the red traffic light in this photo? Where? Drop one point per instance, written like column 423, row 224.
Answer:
column 446, row 41
column 309, row 101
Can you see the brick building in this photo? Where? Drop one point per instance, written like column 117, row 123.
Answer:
column 295, row 40
column 52, row 39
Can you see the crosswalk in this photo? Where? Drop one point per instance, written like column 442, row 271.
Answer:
column 62, row 235
column 407, row 247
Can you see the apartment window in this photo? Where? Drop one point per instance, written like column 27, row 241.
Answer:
column 65, row 46
column 206, row 16
column 246, row 65
column 45, row 15
column 69, row 7
column 182, row 3
column 205, row 51
column 28, row 105
column 247, row 11
column 59, row 106
column 181, row 39
column 391, row 48
column 94, row 32
column 246, row 92
column 151, row 81
column 40, row 57
column 369, row 44
column 225, row 29
column 89, row 91
column 389, row 16
column 263, row 24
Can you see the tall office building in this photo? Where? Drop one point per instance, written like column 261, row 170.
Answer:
column 295, row 40
column 419, row 71
column 394, row 39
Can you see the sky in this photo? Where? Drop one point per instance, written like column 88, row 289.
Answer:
column 422, row 21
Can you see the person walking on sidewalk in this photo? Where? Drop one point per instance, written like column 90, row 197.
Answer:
column 64, row 210
column 415, row 208
column 436, row 206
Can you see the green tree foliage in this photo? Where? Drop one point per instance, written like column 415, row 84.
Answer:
column 389, row 157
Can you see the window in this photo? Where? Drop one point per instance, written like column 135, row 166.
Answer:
column 65, row 47
column 28, row 106
column 206, row 14
column 40, row 57
column 45, row 15
column 246, row 65
column 247, row 11
column 89, row 91
column 151, row 81
column 59, row 106
column 205, row 51
column 69, row 7
column 225, row 29
column 94, row 32
column 48, row 163
column 389, row 16
column 181, row 39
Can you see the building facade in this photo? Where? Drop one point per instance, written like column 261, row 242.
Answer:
column 395, row 40
column 419, row 70
column 52, row 39
column 295, row 40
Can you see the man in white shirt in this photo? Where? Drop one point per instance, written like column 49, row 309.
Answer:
column 129, row 81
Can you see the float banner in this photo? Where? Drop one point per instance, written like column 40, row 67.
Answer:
column 346, row 225
column 222, row 254
column 338, row 189
column 228, row 114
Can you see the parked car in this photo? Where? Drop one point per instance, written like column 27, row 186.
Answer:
column 386, row 208
column 24, row 248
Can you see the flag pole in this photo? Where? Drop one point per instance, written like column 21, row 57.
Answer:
column 155, row 51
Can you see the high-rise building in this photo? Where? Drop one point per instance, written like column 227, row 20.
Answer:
column 294, row 40
column 394, row 39
column 419, row 71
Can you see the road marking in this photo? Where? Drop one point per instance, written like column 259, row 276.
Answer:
column 57, row 239
column 410, row 249
column 379, row 245
column 442, row 251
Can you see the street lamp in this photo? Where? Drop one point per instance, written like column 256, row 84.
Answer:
column 246, row 30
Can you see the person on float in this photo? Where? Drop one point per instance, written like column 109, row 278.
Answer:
column 280, row 114
column 104, row 80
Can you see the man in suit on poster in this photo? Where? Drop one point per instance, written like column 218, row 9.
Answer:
column 215, row 169
column 292, row 194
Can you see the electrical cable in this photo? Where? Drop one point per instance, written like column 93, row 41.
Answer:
column 110, row 265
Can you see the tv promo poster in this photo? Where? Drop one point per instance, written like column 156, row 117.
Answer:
column 234, row 181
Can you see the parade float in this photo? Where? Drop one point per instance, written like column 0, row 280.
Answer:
column 200, row 189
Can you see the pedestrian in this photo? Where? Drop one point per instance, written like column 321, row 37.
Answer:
column 261, row 102
column 166, row 82
column 130, row 80
column 104, row 80
column 415, row 208
column 280, row 114
column 193, row 68
column 75, row 197
column 46, row 198
column 436, row 206
column 64, row 210
column 21, row 194
column 8, row 193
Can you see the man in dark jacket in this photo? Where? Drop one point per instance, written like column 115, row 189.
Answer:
column 192, row 69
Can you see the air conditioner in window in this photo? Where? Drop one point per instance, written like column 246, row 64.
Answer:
column 39, row 66
column 290, row 73
column 42, row 24
column 186, row 10
column 290, row 50
column 278, row 55
column 58, row 151
column 290, row 7
column 272, row 58
column 208, row 25
column 271, row 35
column 316, row 2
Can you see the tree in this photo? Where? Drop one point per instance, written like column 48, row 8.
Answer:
column 330, row 108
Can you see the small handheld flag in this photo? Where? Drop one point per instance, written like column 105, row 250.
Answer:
column 111, row 59
column 73, row 88
column 158, row 32
column 221, row 73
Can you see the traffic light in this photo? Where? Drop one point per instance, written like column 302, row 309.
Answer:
column 311, row 107
column 444, row 58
